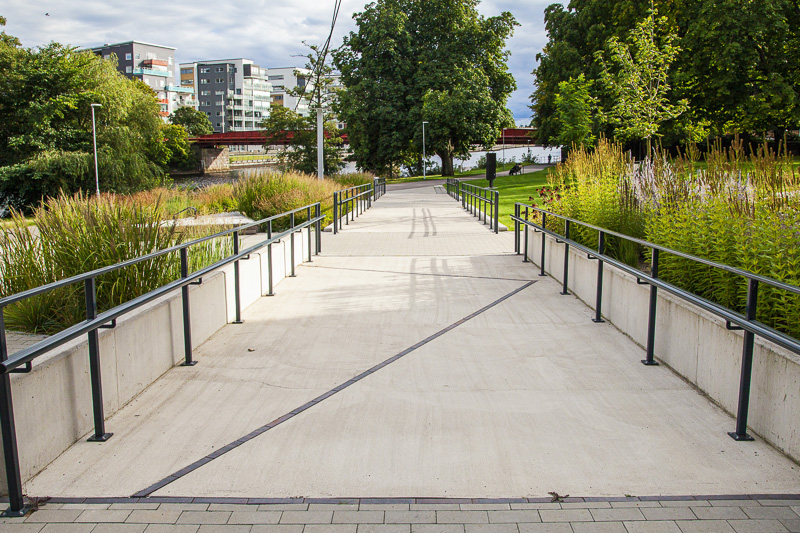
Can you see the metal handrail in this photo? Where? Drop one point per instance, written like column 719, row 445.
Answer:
column 733, row 319
column 94, row 321
column 476, row 200
column 355, row 200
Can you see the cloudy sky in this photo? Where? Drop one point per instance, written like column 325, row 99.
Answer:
column 268, row 32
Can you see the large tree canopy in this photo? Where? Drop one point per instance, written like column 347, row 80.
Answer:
column 437, row 61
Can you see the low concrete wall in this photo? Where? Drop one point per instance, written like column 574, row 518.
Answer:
column 53, row 403
column 693, row 342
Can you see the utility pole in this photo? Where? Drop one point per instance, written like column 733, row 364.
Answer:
column 94, row 136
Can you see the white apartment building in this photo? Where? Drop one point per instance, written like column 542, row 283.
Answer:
column 287, row 78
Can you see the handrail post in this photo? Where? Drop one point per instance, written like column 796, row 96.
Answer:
column 236, row 295
column 747, row 366
column 100, row 435
column 497, row 211
column 335, row 212
column 601, row 248
column 291, row 244
column 544, row 243
column 564, row 290
column 16, row 500
column 462, row 193
column 516, row 227
column 187, row 323
column 269, row 261
column 317, row 214
column 525, row 228
column 308, row 219
column 651, row 319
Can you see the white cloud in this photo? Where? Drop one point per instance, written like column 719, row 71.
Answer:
column 269, row 32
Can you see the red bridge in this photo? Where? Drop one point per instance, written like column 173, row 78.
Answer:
column 233, row 138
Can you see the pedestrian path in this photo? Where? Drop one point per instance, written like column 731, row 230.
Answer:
column 419, row 357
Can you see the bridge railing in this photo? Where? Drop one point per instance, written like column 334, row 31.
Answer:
column 351, row 202
column 22, row 360
column 482, row 202
column 733, row 319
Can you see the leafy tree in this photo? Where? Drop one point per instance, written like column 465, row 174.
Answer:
column 437, row 61
column 194, row 122
column 638, row 79
column 574, row 104
column 299, row 134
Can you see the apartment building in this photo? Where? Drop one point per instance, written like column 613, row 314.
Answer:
column 287, row 78
column 235, row 94
column 153, row 64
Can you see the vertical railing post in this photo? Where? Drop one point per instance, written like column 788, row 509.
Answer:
column 544, row 244
column 16, row 500
column 651, row 318
column 335, row 212
column 187, row 323
column 747, row 365
column 525, row 229
column 236, row 294
column 317, row 214
column 463, row 195
column 269, row 261
column 308, row 219
column 100, row 435
column 516, row 228
column 564, row 290
column 291, row 243
column 598, row 306
column 497, row 211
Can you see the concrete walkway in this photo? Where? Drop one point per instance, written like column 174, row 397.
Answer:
column 419, row 357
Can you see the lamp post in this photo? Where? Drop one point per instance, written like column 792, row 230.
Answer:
column 424, row 157
column 320, row 144
column 94, row 136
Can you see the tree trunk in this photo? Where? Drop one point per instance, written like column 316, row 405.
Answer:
column 447, row 163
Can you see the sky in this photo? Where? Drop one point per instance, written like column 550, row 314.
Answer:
column 271, row 33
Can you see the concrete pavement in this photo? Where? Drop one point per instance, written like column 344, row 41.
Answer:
column 419, row 357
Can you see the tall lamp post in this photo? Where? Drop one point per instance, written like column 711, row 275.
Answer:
column 424, row 157
column 94, row 136
column 320, row 143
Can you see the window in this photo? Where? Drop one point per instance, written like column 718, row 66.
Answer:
column 169, row 60
column 220, row 80
column 220, row 101
column 205, row 93
column 277, row 87
column 138, row 56
column 219, row 69
column 205, row 70
column 204, row 81
column 219, row 93
column 205, row 103
column 219, row 113
column 128, row 70
column 219, row 124
column 276, row 77
column 107, row 56
column 160, row 83
column 238, row 91
column 186, row 82
column 128, row 57
column 186, row 70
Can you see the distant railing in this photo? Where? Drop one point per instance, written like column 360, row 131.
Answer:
column 733, row 319
column 351, row 202
column 378, row 188
column 482, row 202
column 21, row 361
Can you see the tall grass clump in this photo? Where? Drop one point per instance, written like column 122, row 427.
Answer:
column 77, row 234
column 353, row 179
column 737, row 207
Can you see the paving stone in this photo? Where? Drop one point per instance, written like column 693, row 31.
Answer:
column 277, row 529
column 734, row 503
column 791, row 525
column 103, row 515
column 85, row 506
column 171, row 528
column 686, row 503
column 668, row 513
column 485, row 507
column 306, row 517
column 437, row 528
column 119, row 528
column 21, row 528
column 491, row 528
column 757, row 526
column 330, row 528
column 215, row 528
column 635, row 504
column 779, row 503
column 524, row 506
column 68, row 528
column 410, row 517
column 462, row 517
column 231, row 507
column 183, row 507
column 333, row 507
column 507, row 517
column 283, row 507
column 255, row 517
column 56, row 515
column 610, row 515
column 134, row 506
column 566, row 515
column 383, row 507
column 586, row 505
column 158, row 516
column 598, row 527
column 552, row 527
column 719, row 513
column 384, row 528
column 704, row 526
column 358, row 517
column 784, row 513
column 434, row 507
column 652, row 526
column 204, row 517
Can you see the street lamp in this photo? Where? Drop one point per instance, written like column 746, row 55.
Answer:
column 94, row 135
column 320, row 143
column 424, row 157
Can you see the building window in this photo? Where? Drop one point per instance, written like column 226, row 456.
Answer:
column 128, row 57
column 219, row 69
column 186, row 70
column 219, row 124
column 276, row 77
column 186, row 82
column 137, row 56
column 219, row 93
column 203, row 81
column 128, row 70
column 208, row 114
column 160, row 83
column 205, row 93
column 169, row 60
column 220, row 80
column 219, row 113
column 205, row 70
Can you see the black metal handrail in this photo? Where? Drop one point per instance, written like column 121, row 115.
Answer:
column 481, row 201
column 733, row 319
column 351, row 202
column 453, row 187
column 94, row 321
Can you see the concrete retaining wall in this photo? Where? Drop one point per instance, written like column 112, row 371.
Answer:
column 693, row 342
column 53, row 403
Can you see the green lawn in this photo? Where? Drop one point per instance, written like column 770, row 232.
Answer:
column 515, row 189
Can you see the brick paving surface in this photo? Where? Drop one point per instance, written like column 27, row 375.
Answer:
column 748, row 515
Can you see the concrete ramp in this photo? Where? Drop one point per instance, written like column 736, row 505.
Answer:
column 418, row 357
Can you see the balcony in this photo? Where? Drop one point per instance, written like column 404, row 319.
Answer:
column 179, row 89
column 151, row 72
column 164, row 113
column 159, row 62
column 162, row 100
